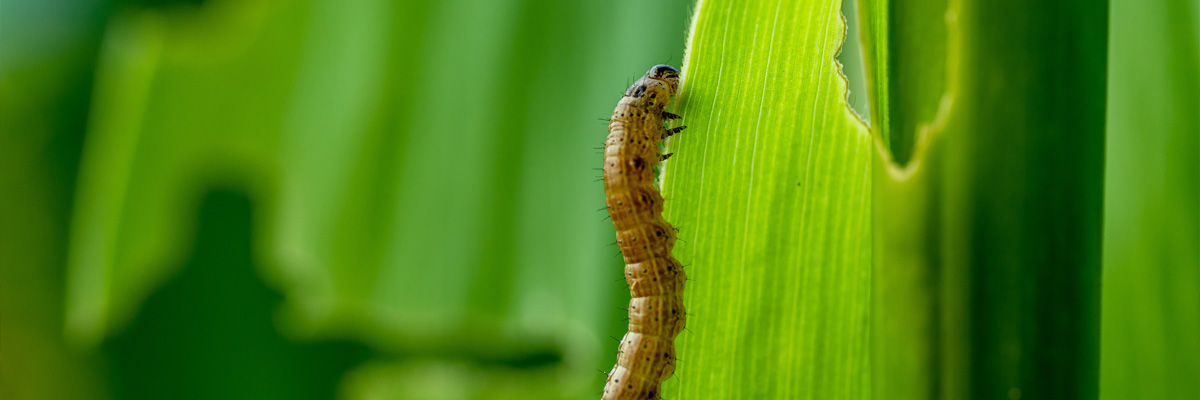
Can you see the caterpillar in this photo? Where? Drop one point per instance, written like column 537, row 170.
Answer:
column 646, row 355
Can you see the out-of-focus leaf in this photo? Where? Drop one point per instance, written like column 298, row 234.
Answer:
column 1151, row 299
column 183, row 100
column 988, row 206
column 770, row 187
column 47, row 57
column 424, row 171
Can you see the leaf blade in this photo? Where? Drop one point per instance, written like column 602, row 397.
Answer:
column 770, row 188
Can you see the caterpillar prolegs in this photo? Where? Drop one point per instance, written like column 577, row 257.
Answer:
column 647, row 352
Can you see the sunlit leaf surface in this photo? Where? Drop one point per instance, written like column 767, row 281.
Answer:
column 770, row 186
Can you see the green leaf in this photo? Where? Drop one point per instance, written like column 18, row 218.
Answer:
column 985, row 201
column 770, row 187
column 988, row 211
column 1151, row 284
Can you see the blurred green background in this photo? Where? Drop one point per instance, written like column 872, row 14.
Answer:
column 297, row 199
column 396, row 200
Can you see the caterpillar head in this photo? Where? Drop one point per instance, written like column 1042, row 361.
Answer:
column 656, row 87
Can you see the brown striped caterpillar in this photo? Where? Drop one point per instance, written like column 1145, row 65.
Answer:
column 647, row 352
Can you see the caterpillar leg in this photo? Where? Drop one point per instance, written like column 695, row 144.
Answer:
column 669, row 116
column 673, row 131
column 665, row 157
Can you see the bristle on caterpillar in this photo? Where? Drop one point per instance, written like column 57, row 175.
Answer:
column 646, row 354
